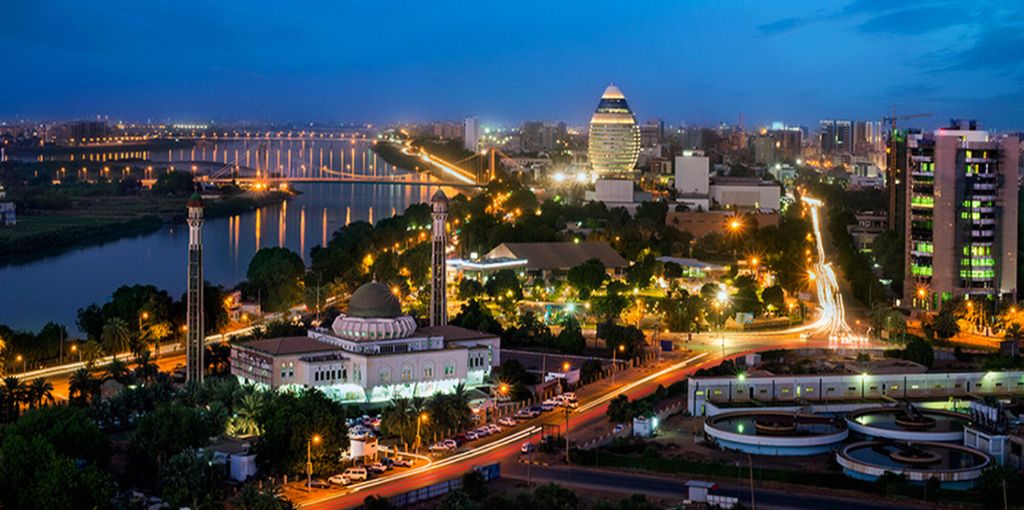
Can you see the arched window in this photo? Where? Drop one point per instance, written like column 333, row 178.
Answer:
column 406, row 372
column 385, row 374
column 449, row 368
column 428, row 370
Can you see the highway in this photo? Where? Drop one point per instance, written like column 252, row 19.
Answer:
column 591, row 412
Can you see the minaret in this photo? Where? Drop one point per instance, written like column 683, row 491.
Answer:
column 194, row 347
column 438, row 268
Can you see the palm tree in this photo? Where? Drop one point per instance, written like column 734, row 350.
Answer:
column 12, row 395
column 145, row 369
column 40, row 391
column 81, row 384
column 156, row 333
column 116, row 337
column 244, row 422
column 91, row 351
column 270, row 497
column 117, row 370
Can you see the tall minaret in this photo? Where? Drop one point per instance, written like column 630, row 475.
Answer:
column 194, row 347
column 438, row 268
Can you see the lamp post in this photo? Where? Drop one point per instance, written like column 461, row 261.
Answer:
column 74, row 349
column 24, row 363
column 419, row 419
column 309, row 461
column 615, row 367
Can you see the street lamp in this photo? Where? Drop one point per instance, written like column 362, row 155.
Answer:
column 419, row 420
column 309, row 461
column 615, row 367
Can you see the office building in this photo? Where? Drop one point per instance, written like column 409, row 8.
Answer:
column 745, row 193
column 867, row 136
column 614, row 142
column 961, row 210
column 471, row 134
column 836, row 137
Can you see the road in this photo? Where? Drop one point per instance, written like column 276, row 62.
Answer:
column 675, row 488
column 591, row 412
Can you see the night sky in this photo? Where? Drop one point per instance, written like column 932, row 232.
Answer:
column 698, row 62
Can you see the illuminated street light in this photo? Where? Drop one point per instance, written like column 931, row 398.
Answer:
column 309, row 461
column 422, row 418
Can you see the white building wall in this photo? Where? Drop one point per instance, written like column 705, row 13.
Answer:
column 692, row 173
column 746, row 196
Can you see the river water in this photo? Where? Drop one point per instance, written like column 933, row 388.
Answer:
column 54, row 288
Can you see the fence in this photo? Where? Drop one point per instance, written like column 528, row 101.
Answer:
column 490, row 472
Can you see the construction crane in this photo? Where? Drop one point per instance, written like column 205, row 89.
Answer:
column 892, row 119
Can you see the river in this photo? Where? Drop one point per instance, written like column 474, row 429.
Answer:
column 54, row 288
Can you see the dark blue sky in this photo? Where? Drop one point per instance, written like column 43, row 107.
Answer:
column 692, row 61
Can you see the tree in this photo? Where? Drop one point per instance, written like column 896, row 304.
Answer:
column 40, row 391
column 12, row 396
column 505, row 289
column 118, row 371
column 190, row 479
column 33, row 474
column 619, row 409
column 774, row 297
column 116, row 337
column 611, row 304
column 469, row 289
column 157, row 332
column 163, row 433
column 555, row 497
column 91, row 352
column 81, row 385
column 587, row 277
column 252, row 497
column 640, row 273
column 275, row 274
column 288, row 421
column 945, row 325
column 570, row 339
column 245, row 422
column 920, row 351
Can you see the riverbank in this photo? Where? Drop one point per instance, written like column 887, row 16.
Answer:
column 98, row 220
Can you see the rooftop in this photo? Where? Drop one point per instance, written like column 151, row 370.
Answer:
column 566, row 255
column 288, row 345
column 374, row 301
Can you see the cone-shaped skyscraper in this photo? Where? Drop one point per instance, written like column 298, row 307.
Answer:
column 614, row 143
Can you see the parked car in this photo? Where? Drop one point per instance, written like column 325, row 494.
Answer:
column 451, row 444
column 356, row 473
column 377, row 467
column 494, row 428
column 548, row 405
column 339, row 479
column 618, row 428
column 508, row 421
column 523, row 414
column 527, row 448
column 570, row 404
column 483, row 431
column 536, row 410
column 439, row 447
column 471, row 436
column 568, row 396
column 402, row 462
column 319, row 483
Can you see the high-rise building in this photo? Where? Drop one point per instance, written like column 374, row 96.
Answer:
column 961, row 210
column 867, row 136
column 836, row 137
column 614, row 143
column 195, row 348
column 471, row 134
column 438, row 261
column 543, row 136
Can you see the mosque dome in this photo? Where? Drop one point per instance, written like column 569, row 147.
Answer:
column 374, row 300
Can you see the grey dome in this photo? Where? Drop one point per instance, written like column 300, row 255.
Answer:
column 374, row 301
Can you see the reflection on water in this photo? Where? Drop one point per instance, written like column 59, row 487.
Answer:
column 54, row 288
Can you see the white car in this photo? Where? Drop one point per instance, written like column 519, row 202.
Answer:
column 339, row 480
column 494, row 428
column 527, row 448
column 618, row 428
column 570, row 396
column 440, row 447
column 548, row 405
column 508, row 421
column 472, row 436
column 356, row 473
column 402, row 462
column 451, row 444
column 377, row 467
column 483, row 431
column 571, row 404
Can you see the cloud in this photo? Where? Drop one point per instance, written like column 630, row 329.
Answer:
column 782, row 25
column 915, row 21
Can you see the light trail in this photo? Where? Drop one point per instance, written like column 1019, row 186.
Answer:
column 832, row 313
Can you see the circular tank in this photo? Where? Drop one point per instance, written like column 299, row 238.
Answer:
column 915, row 425
column 776, row 432
column 954, row 466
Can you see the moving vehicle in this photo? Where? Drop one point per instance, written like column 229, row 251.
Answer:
column 356, row 473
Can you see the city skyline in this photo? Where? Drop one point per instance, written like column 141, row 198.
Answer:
column 691, row 63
